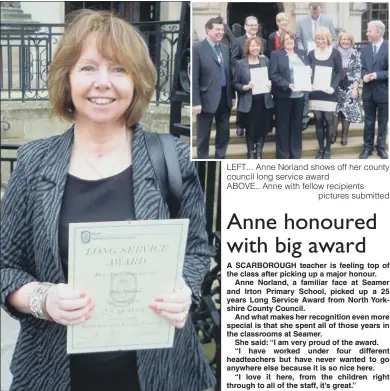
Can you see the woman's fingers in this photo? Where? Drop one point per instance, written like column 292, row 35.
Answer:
column 68, row 306
column 182, row 307
column 76, row 315
column 71, row 305
column 174, row 318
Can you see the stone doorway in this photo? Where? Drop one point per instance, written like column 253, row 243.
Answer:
column 265, row 13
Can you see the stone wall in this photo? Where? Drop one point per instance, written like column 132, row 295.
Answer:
column 31, row 121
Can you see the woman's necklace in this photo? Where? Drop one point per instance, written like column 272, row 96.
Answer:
column 106, row 164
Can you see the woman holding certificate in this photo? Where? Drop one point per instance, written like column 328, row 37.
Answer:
column 326, row 65
column 290, row 76
column 348, row 107
column 251, row 80
column 101, row 79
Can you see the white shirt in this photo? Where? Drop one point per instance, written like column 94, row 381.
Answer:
column 378, row 46
column 313, row 25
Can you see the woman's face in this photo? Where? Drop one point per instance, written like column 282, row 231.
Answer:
column 101, row 89
column 254, row 49
column 282, row 24
column 288, row 42
column 345, row 42
column 321, row 41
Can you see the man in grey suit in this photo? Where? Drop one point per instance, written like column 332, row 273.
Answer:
column 213, row 93
column 306, row 28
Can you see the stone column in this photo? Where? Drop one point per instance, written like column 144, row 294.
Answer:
column 202, row 12
column 12, row 15
column 355, row 20
column 295, row 10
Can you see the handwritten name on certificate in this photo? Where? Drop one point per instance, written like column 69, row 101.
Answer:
column 259, row 77
column 322, row 77
column 123, row 266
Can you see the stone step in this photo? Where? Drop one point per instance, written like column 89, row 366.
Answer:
column 355, row 130
column 310, row 147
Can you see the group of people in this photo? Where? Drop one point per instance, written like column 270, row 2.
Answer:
column 220, row 75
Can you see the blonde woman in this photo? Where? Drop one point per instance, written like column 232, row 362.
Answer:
column 348, row 106
column 323, row 102
column 274, row 38
column 101, row 80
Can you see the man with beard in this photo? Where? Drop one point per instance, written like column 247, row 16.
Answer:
column 251, row 30
column 213, row 93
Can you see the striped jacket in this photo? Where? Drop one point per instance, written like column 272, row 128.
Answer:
column 30, row 252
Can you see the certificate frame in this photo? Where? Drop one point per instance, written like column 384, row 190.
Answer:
column 302, row 78
column 122, row 319
column 259, row 77
column 322, row 78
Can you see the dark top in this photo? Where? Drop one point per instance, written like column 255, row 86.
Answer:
column 279, row 69
column 242, row 77
column 334, row 61
column 108, row 199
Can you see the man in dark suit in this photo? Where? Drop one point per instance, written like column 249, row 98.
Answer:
column 375, row 74
column 251, row 30
column 212, row 89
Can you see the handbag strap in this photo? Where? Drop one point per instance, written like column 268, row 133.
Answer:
column 165, row 162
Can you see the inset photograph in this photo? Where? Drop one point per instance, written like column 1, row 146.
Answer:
column 289, row 80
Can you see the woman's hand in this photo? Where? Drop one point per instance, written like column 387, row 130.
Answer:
column 291, row 87
column 174, row 306
column 67, row 306
column 354, row 93
column 269, row 85
column 248, row 87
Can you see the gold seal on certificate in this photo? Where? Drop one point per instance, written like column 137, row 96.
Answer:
column 124, row 266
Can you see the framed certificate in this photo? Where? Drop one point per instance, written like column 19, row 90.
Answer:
column 302, row 78
column 322, row 77
column 123, row 266
column 259, row 77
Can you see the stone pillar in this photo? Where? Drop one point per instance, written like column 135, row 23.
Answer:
column 296, row 10
column 202, row 12
column 355, row 20
column 12, row 15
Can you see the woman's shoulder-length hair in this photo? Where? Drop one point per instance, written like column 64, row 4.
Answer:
column 324, row 32
column 116, row 40
column 248, row 43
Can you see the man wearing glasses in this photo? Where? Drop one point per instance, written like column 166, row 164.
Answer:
column 251, row 30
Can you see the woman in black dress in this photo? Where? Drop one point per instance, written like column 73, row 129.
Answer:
column 289, row 102
column 348, row 106
column 254, row 107
column 323, row 102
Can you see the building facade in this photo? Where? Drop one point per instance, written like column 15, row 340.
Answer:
column 346, row 15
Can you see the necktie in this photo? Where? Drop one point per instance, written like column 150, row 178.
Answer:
column 315, row 27
column 218, row 53
column 374, row 48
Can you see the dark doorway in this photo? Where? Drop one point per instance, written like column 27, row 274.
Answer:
column 95, row 5
column 265, row 13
